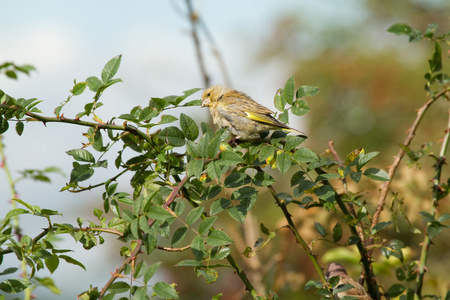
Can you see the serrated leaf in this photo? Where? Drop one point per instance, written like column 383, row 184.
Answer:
column 237, row 179
column 194, row 215
column 111, row 68
column 195, row 167
column 81, row 173
column 158, row 213
column 229, row 158
column 93, row 83
column 188, row 127
column 219, row 205
column 72, row 261
column 166, row 119
column 178, row 235
column 289, row 90
column 198, row 248
column 300, row 108
column 165, row 290
column 284, row 162
column 307, row 90
column 81, row 155
column 304, row 155
column 376, row 174
column 206, row 224
column 279, row 101
column 173, row 136
column 218, row 238
column 263, row 179
column 151, row 271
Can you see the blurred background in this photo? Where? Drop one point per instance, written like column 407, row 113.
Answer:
column 371, row 82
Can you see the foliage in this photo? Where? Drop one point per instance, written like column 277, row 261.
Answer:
column 187, row 178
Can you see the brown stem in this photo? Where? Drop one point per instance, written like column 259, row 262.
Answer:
column 393, row 168
column 193, row 17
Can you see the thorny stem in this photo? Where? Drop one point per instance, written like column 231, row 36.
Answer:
column 138, row 246
column 365, row 260
column 440, row 161
column 393, row 168
column 297, row 235
column 240, row 272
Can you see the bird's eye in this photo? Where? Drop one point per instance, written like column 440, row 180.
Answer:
column 209, row 94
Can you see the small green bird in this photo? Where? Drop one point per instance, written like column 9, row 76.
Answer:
column 244, row 117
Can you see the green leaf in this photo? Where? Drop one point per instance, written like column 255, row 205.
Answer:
column 337, row 233
column 194, row 215
column 94, row 83
column 81, row 173
column 325, row 193
column 266, row 152
column 14, row 286
column 151, row 271
column 323, row 177
column 165, row 119
column 188, row 127
column 8, row 271
column 79, row 88
column 279, row 101
column 284, row 162
column 396, row 290
column 19, row 128
column 173, row 136
column 206, row 224
column 376, row 174
column 165, row 290
column 195, row 167
column 72, row 261
column 52, row 263
column 3, row 125
column 178, row 235
column 218, row 238
column 307, row 91
column 400, row 29
column 289, row 90
column 81, row 155
column 237, row 179
column 111, row 68
column 219, row 205
column 300, row 108
column 436, row 61
column 158, row 213
column 380, row 226
column 213, row 147
column 198, row 248
column 320, row 229
column 263, row 179
column 230, row 158
column 304, row 155
column 119, row 287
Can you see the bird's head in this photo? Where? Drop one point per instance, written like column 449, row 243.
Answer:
column 213, row 94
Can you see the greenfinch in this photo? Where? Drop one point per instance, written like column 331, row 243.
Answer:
column 245, row 118
column 336, row 269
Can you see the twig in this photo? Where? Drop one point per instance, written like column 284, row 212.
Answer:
column 297, row 235
column 440, row 161
column 137, row 249
column 365, row 258
column 393, row 168
column 193, row 17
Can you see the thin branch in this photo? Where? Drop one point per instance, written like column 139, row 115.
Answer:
column 440, row 161
column 138, row 246
column 393, row 168
column 193, row 17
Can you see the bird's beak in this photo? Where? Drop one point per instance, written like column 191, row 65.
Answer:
column 206, row 102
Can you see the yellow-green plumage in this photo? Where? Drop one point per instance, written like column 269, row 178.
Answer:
column 242, row 115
